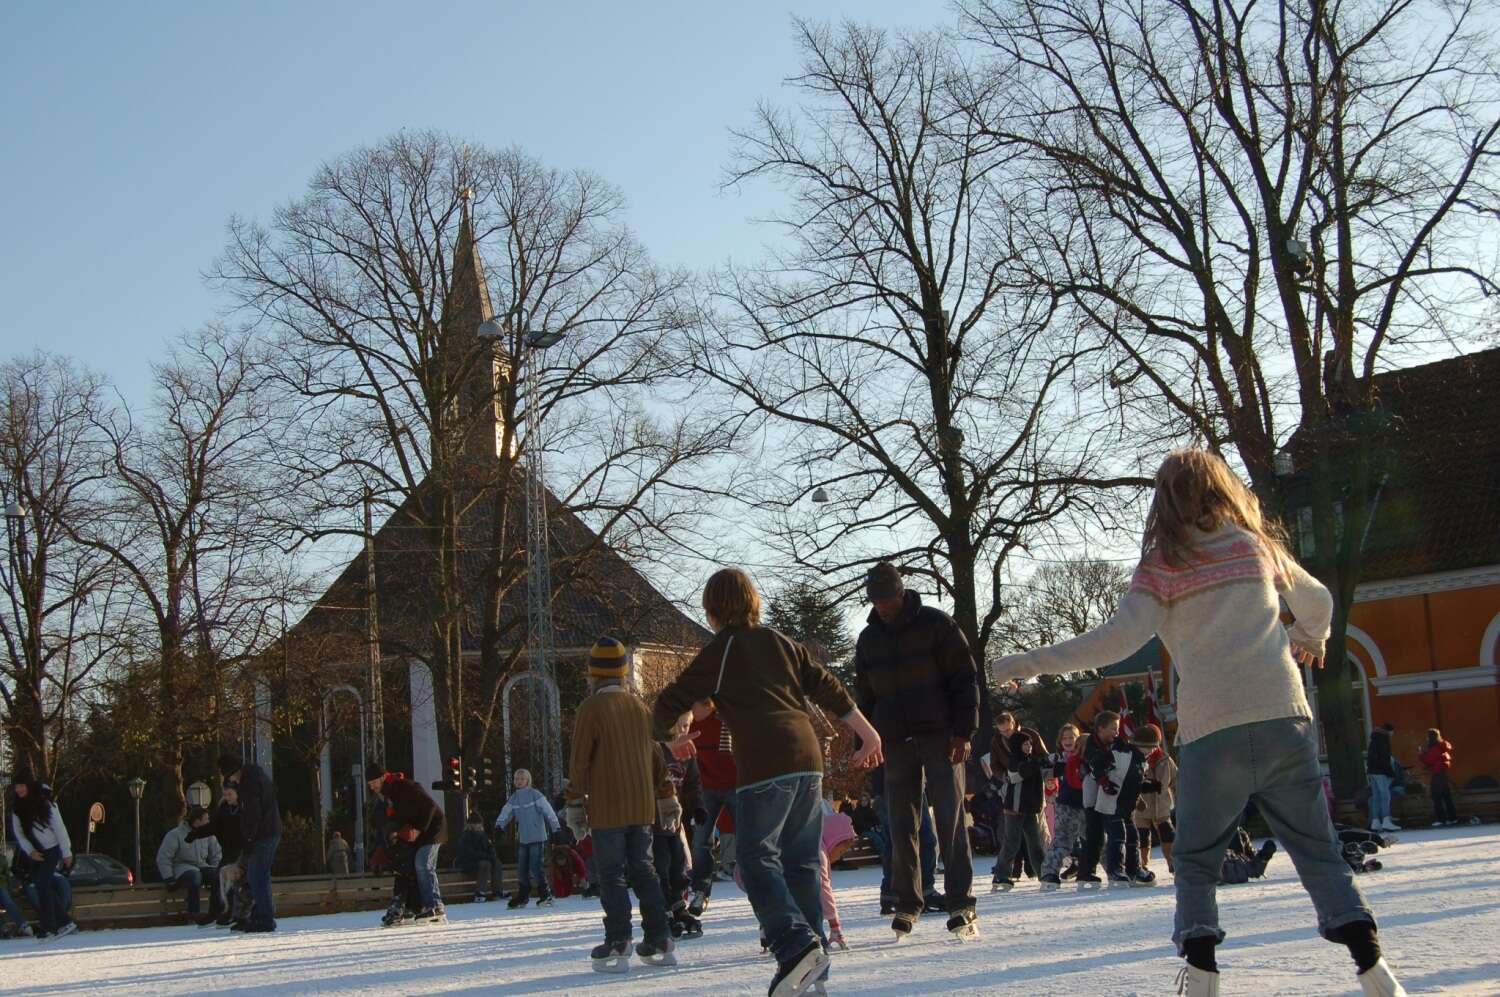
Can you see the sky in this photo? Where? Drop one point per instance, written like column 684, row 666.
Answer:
column 132, row 132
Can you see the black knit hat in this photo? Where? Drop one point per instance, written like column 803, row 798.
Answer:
column 884, row 582
column 374, row 771
column 230, row 764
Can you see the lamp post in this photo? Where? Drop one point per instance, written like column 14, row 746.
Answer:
column 199, row 795
column 545, row 733
column 325, row 778
column 137, row 786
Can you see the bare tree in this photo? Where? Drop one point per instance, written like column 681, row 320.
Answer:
column 1060, row 600
column 895, row 359
column 373, row 287
column 59, row 596
column 184, row 520
column 1258, row 206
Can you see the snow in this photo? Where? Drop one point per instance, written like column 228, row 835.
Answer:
column 1438, row 900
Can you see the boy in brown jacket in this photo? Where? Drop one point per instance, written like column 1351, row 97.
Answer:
column 618, row 786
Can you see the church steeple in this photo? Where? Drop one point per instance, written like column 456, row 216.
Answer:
column 479, row 363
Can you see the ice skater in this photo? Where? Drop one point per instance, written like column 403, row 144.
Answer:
column 1210, row 584
column 618, row 787
column 760, row 681
column 536, row 822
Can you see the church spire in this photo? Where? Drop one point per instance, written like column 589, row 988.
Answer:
column 467, row 305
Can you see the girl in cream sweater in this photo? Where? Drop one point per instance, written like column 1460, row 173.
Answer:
column 1211, row 582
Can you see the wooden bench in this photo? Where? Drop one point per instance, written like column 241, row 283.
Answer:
column 153, row 904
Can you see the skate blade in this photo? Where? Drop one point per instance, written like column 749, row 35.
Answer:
column 967, row 933
column 615, row 964
column 664, row 959
column 1002, row 889
column 899, row 937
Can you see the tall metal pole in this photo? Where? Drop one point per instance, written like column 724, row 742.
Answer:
column 138, row 840
column 376, row 703
column 544, row 733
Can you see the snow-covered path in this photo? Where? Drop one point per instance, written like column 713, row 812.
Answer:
column 1438, row 899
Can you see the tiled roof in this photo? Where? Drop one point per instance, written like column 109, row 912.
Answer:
column 1439, row 509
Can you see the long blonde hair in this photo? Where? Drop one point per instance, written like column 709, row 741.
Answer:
column 1195, row 489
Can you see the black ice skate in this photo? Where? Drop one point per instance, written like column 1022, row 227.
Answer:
column 685, row 925
column 1088, row 881
column 611, row 957
column 519, row 900
column 1050, row 882
column 964, row 925
column 395, row 916
column 657, row 952
column 432, row 915
column 1143, row 877
column 801, row 973
column 698, row 903
column 1002, row 883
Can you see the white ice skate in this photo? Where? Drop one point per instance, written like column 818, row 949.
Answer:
column 1195, row 982
column 657, row 953
column 1379, row 981
column 611, row 957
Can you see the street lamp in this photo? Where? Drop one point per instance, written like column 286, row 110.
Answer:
column 137, row 786
column 199, row 795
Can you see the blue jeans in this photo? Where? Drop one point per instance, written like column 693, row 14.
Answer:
column 623, row 856
column 1380, row 797
column 50, row 908
column 529, row 870
column 714, row 801
column 64, row 887
column 778, row 839
column 427, row 877
column 191, row 882
column 11, row 910
column 258, row 858
column 1275, row 764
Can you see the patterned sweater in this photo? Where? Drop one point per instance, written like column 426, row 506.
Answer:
column 1219, row 616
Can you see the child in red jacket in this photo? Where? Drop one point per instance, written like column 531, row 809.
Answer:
column 566, row 870
column 1437, row 756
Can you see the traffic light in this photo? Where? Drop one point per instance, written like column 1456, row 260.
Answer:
column 486, row 774
column 456, row 773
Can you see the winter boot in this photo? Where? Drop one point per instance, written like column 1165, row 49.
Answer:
column 1195, row 982
column 698, row 903
column 656, row 952
column 1379, row 981
column 902, row 925
column 964, row 925
column 611, row 957
column 796, row 976
column 1050, row 882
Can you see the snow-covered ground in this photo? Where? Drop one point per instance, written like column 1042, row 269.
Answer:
column 1438, row 900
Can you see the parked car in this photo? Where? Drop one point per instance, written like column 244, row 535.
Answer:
column 93, row 869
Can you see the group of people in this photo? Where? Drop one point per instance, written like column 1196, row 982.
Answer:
column 1387, row 777
column 1212, row 582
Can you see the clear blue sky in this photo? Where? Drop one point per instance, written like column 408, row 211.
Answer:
column 132, row 131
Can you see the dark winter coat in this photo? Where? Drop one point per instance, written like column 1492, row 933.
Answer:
column 1026, row 772
column 223, row 824
column 1116, row 767
column 474, row 847
column 1067, row 769
column 1378, row 757
column 916, row 677
column 260, row 817
column 408, row 805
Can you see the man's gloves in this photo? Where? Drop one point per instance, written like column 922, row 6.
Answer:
column 577, row 819
column 668, row 813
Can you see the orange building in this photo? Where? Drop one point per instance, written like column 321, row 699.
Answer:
column 1425, row 626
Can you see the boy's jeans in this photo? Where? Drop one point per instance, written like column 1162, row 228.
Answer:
column 257, row 861
column 779, row 825
column 1274, row 763
column 529, row 870
column 714, row 800
column 1122, row 849
column 623, row 856
column 427, row 877
column 1380, row 797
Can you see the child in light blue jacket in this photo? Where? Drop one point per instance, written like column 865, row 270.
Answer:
column 535, row 823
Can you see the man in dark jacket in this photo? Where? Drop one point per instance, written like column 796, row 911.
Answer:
column 260, row 830
column 915, row 678
column 1381, row 771
column 419, row 822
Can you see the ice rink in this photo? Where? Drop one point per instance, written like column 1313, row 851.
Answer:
column 1438, row 900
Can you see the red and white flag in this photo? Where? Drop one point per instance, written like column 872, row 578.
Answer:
column 1127, row 725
